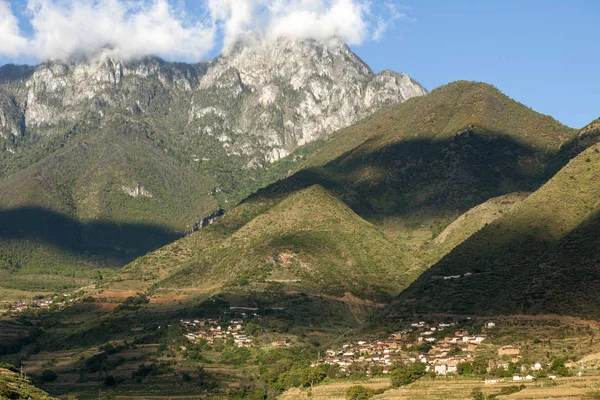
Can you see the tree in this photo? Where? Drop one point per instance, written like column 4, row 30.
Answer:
column 49, row 375
column 480, row 365
column 376, row 370
column 359, row 392
column 334, row 371
column 405, row 374
column 477, row 394
column 464, row 368
column 110, row 380
column 313, row 376
column 558, row 367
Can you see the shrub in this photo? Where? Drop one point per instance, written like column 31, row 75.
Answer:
column 359, row 392
column 110, row 380
column 405, row 374
column 49, row 375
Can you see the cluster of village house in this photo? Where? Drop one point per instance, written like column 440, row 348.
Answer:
column 211, row 329
column 441, row 358
column 44, row 303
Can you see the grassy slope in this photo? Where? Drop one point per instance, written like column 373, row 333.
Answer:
column 541, row 257
column 415, row 167
column 310, row 240
column 13, row 386
column 471, row 222
column 69, row 211
column 410, row 170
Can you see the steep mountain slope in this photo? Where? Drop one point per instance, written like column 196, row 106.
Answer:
column 469, row 223
column 105, row 160
column 261, row 101
column 50, row 114
column 408, row 181
column 415, row 167
column 109, row 197
column 310, row 241
column 269, row 99
column 541, row 257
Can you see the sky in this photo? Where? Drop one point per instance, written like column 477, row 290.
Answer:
column 544, row 54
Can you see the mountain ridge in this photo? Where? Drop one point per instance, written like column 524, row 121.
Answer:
column 529, row 260
column 154, row 146
column 366, row 180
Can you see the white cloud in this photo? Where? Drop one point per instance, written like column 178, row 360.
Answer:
column 12, row 44
column 130, row 29
column 134, row 28
column 320, row 20
column 393, row 12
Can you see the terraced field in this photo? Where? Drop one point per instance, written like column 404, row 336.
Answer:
column 585, row 387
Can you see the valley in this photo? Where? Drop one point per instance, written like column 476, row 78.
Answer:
column 283, row 222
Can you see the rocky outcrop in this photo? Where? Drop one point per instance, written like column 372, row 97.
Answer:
column 282, row 95
column 206, row 221
column 261, row 101
column 138, row 191
column 12, row 121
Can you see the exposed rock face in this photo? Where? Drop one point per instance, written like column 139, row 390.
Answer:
column 286, row 94
column 138, row 191
column 262, row 100
column 12, row 121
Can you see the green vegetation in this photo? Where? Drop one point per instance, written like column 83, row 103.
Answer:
column 540, row 257
column 15, row 386
column 65, row 210
column 408, row 174
column 405, row 374
column 308, row 240
column 461, row 178
column 359, row 392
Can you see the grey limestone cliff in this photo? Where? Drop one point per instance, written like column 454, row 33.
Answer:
column 261, row 101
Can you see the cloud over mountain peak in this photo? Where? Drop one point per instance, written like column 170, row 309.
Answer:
column 60, row 29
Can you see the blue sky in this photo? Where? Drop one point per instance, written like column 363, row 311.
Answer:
column 544, row 54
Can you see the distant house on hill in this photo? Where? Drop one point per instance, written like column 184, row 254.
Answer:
column 492, row 380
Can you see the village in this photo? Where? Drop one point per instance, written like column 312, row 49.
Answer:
column 441, row 347
column 213, row 329
column 56, row 302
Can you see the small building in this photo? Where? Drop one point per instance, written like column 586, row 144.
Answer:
column 492, row 380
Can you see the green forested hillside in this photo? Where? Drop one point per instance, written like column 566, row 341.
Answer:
column 108, row 197
column 311, row 241
column 414, row 168
column 409, row 171
column 541, row 257
column 15, row 386
column 107, row 193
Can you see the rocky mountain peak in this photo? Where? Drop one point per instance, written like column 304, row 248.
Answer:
column 261, row 100
column 288, row 93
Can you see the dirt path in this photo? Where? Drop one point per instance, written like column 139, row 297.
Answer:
column 349, row 298
column 565, row 319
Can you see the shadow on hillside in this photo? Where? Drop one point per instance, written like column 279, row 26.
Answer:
column 523, row 274
column 13, row 72
column 107, row 243
column 422, row 177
